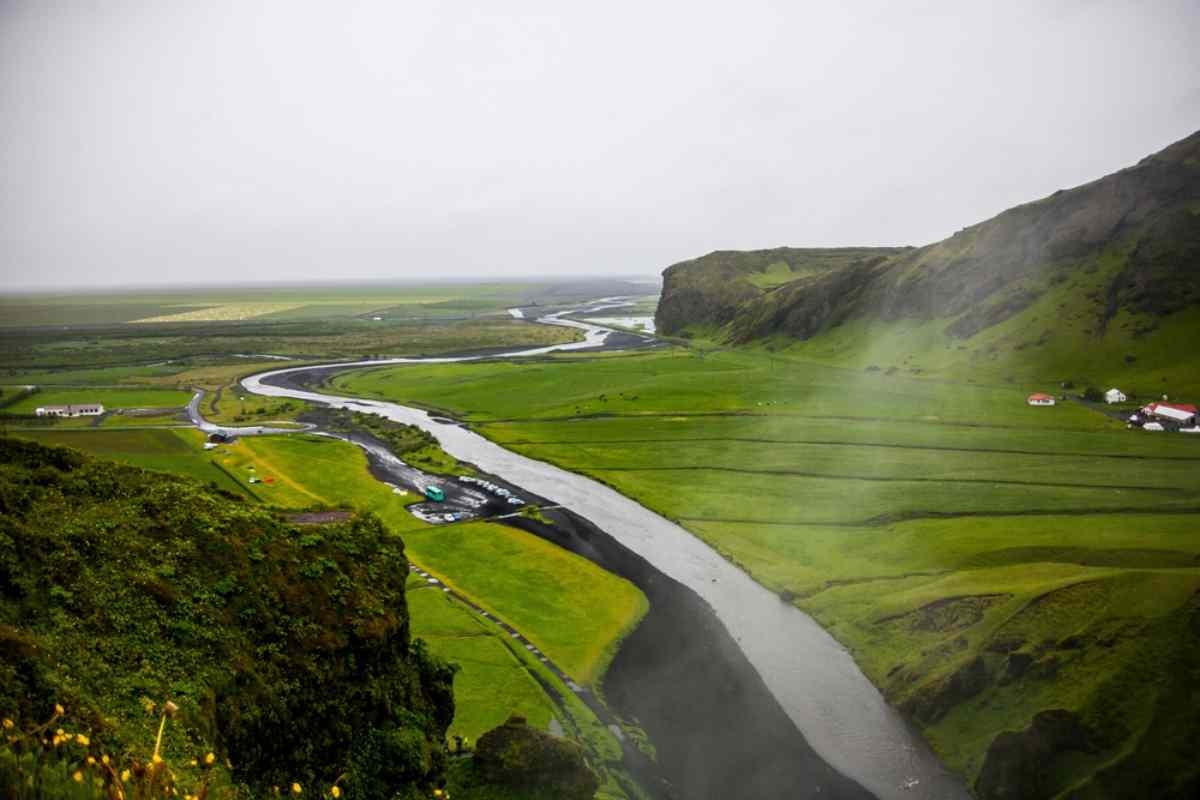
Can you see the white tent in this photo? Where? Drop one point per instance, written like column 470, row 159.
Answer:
column 1114, row 396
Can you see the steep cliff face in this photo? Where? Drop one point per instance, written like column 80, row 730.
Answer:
column 716, row 289
column 1138, row 229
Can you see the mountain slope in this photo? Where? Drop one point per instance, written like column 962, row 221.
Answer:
column 1118, row 255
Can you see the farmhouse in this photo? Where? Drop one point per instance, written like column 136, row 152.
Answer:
column 1181, row 413
column 74, row 410
column 1114, row 396
column 1039, row 399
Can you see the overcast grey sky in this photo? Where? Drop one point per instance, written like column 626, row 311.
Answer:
column 225, row 140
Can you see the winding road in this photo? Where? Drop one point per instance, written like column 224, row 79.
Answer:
column 839, row 712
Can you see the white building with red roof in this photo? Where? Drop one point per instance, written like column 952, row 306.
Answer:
column 1039, row 399
column 1182, row 413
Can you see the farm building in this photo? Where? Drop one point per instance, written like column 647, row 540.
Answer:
column 1039, row 399
column 1181, row 413
column 74, row 410
column 1114, row 396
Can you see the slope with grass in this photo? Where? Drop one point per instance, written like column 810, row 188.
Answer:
column 176, row 451
column 985, row 561
column 285, row 648
column 1097, row 283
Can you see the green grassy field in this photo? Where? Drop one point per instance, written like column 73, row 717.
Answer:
column 179, row 451
column 111, row 398
column 524, row 580
column 939, row 529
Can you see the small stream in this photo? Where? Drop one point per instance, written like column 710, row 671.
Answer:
column 839, row 712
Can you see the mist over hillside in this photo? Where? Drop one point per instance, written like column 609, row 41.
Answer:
column 1117, row 256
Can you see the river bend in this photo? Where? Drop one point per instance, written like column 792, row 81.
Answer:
column 841, row 714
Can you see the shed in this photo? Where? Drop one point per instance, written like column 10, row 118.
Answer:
column 1114, row 396
column 1039, row 399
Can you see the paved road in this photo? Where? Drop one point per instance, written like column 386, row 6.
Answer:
column 197, row 418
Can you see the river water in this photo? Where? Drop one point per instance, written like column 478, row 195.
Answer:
column 842, row 715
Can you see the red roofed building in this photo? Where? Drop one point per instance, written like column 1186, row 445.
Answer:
column 1176, row 412
column 1039, row 399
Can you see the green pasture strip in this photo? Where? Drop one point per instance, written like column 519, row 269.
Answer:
column 111, row 398
column 682, row 381
column 491, row 684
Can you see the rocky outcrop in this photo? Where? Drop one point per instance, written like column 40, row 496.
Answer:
column 520, row 757
column 1019, row 764
column 715, row 289
column 932, row 702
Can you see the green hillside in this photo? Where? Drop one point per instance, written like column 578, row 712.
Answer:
column 286, row 648
column 1098, row 283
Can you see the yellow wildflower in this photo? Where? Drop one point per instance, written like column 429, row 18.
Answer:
column 78, row 776
column 91, row 762
column 124, row 776
column 193, row 763
column 8, row 724
column 157, row 759
column 59, row 710
column 296, row 788
column 104, row 759
column 59, row 732
column 210, row 758
column 335, row 792
column 83, row 740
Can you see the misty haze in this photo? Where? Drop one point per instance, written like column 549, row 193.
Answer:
column 668, row 402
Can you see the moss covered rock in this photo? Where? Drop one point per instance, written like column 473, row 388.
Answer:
column 522, row 757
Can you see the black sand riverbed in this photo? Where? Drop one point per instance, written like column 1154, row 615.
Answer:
column 680, row 675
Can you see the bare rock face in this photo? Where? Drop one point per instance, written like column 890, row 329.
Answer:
column 521, row 757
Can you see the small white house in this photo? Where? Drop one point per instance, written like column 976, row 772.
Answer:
column 1040, row 399
column 1114, row 396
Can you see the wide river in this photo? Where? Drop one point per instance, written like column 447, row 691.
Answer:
column 841, row 713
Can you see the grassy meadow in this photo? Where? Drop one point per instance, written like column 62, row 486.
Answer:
column 179, row 451
column 938, row 528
